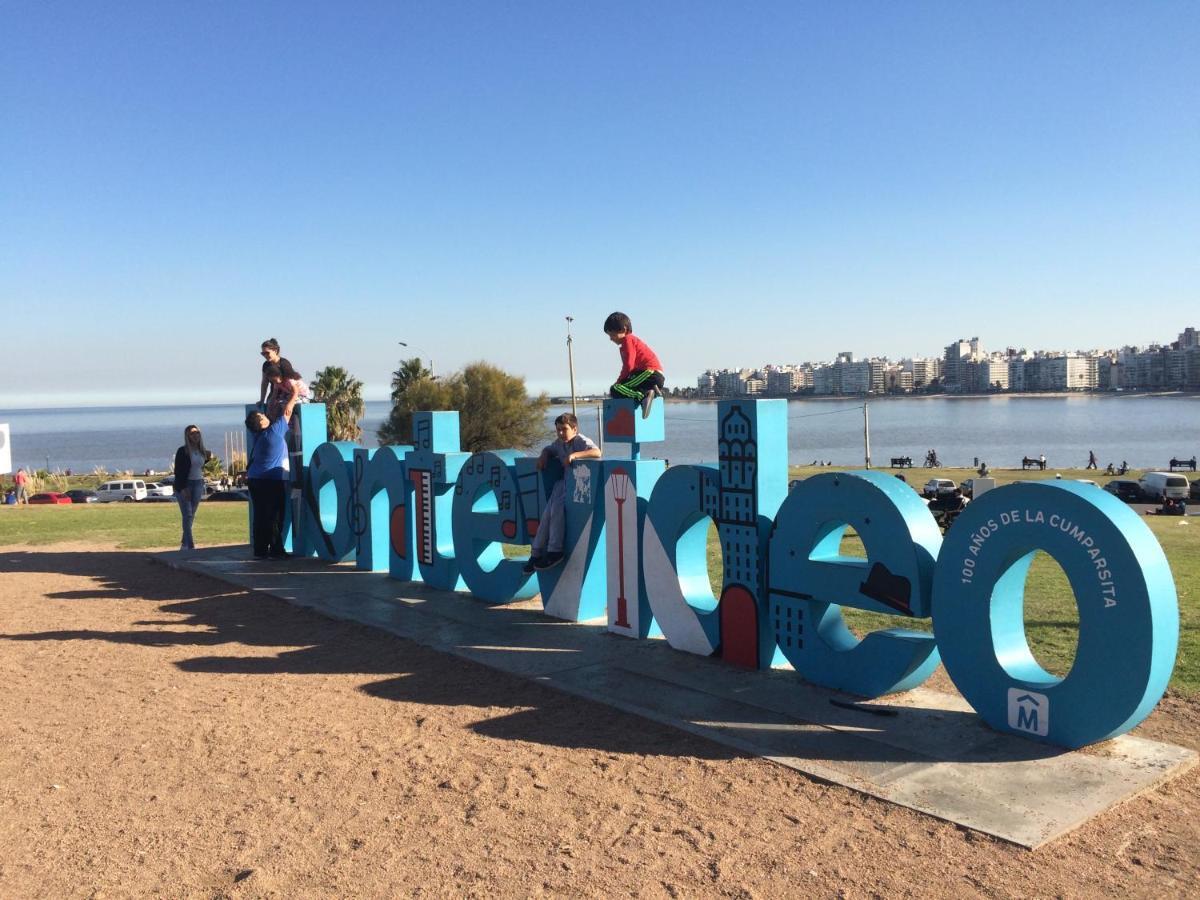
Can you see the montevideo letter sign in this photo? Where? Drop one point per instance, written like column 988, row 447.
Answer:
column 636, row 550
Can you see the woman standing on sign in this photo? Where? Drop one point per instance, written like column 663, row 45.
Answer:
column 189, row 480
column 267, row 475
column 272, row 359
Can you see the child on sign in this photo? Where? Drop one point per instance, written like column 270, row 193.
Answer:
column 284, row 386
column 641, row 375
column 271, row 358
column 571, row 446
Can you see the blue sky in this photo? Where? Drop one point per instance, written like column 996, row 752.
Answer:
column 752, row 183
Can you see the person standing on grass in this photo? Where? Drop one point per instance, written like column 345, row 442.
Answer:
column 22, row 482
column 189, row 480
column 267, row 476
column 641, row 375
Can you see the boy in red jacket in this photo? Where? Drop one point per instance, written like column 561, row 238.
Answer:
column 641, row 375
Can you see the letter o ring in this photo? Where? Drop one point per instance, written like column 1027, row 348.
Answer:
column 1128, row 612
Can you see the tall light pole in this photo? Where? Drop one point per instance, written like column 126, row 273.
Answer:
column 571, row 367
column 866, row 434
column 432, row 374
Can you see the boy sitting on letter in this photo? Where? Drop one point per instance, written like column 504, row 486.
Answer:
column 571, row 446
column 641, row 373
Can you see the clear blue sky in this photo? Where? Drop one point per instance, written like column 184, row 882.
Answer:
column 752, row 183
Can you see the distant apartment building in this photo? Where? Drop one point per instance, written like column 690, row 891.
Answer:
column 924, row 371
column 706, row 384
column 846, row 375
column 856, row 377
column 956, row 374
column 785, row 380
column 1016, row 373
column 990, row 374
column 877, row 375
column 1067, row 372
column 1073, row 373
column 898, row 380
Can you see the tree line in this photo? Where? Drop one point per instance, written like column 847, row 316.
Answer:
column 494, row 408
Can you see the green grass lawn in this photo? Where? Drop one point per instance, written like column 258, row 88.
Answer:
column 1050, row 612
column 130, row 526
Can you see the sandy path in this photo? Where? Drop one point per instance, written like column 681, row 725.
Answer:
column 164, row 734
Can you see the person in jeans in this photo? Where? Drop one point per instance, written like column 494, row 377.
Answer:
column 189, row 480
column 267, row 476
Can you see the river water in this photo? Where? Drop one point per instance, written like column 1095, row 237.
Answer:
column 1146, row 431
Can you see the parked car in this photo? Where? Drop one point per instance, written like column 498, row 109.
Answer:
column 234, row 495
column 159, row 489
column 80, row 495
column 127, row 490
column 936, row 487
column 1194, row 490
column 1158, row 486
column 50, row 497
column 1129, row 491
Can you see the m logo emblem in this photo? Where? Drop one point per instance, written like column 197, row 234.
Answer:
column 1028, row 711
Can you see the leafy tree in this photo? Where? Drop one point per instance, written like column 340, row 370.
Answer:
column 494, row 409
column 342, row 395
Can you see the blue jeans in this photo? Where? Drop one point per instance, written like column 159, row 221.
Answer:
column 189, row 497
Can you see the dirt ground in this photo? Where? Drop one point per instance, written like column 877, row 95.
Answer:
column 164, row 734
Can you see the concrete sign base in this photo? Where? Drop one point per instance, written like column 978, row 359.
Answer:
column 923, row 750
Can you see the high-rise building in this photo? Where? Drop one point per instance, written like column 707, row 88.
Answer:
column 955, row 359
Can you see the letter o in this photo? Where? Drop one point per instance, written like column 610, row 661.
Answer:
column 1126, row 650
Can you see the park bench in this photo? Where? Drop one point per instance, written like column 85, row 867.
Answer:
column 1030, row 462
column 901, row 462
column 1183, row 464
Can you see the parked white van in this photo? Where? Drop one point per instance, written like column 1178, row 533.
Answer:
column 1161, row 485
column 133, row 489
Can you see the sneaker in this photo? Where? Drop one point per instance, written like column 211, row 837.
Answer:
column 531, row 565
column 549, row 561
column 648, row 401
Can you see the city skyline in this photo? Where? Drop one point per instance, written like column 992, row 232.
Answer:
column 967, row 367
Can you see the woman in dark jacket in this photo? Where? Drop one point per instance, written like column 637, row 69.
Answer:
column 189, row 480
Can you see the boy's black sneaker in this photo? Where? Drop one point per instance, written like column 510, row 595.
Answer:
column 549, row 561
column 648, row 401
column 531, row 565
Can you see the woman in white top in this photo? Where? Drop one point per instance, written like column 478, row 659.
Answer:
column 189, row 480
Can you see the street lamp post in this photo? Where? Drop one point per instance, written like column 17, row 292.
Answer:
column 571, row 367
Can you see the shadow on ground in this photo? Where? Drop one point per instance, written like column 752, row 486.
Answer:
column 217, row 616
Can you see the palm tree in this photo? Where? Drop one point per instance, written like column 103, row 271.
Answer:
column 342, row 395
column 397, row 429
column 410, row 371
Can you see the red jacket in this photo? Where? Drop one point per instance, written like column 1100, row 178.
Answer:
column 635, row 355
